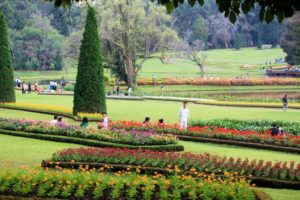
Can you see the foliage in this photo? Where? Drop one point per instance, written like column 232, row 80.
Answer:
column 261, row 126
column 231, row 8
column 182, row 162
column 291, row 40
column 114, row 136
column 223, row 81
column 87, row 183
column 131, row 32
column 216, row 132
column 7, row 92
column 89, row 93
column 37, row 46
column 248, row 104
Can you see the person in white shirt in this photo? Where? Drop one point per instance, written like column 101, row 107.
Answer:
column 129, row 91
column 53, row 122
column 184, row 115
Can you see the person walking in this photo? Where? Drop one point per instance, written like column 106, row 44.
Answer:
column 29, row 88
column 184, row 115
column 285, row 103
column 23, row 88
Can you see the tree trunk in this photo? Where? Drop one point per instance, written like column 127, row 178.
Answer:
column 201, row 66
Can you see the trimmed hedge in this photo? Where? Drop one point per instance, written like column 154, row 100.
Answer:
column 247, row 104
column 239, row 143
column 258, row 181
column 89, row 142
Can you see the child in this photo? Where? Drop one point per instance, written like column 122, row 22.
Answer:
column 161, row 123
column 147, row 121
column 84, row 123
column 104, row 122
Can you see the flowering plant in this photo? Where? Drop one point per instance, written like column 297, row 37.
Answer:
column 133, row 137
column 206, row 163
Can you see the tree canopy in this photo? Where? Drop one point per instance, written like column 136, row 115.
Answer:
column 231, row 8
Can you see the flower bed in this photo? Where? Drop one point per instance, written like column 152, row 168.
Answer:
column 293, row 128
column 285, row 140
column 181, row 162
column 70, row 184
column 223, row 81
column 117, row 136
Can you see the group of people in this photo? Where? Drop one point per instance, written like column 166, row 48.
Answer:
column 117, row 91
column 276, row 130
column 147, row 122
column 53, row 86
column 26, row 87
column 58, row 121
column 184, row 115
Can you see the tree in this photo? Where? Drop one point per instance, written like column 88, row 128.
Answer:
column 237, row 41
column 231, row 8
column 193, row 52
column 7, row 88
column 89, row 93
column 222, row 31
column 131, row 31
column 290, row 41
column 38, row 46
column 200, row 30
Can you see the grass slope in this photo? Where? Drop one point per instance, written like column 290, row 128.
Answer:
column 24, row 151
column 138, row 110
column 220, row 62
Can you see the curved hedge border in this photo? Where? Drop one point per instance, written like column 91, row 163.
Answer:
column 239, row 143
column 258, row 181
column 89, row 142
column 246, row 104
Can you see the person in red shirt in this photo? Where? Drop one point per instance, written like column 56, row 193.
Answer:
column 147, row 121
column 161, row 123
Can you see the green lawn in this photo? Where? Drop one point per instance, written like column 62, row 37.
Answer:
column 24, row 151
column 236, row 151
column 138, row 110
column 220, row 63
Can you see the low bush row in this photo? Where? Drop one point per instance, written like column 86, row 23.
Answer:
column 223, row 81
column 248, row 104
column 117, row 136
column 70, row 184
column 89, row 142
column 293, row 128
column 182, row 162
column 251, row 136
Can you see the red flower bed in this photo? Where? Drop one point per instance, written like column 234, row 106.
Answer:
column 222, row 81
column 181, row 162
column 215, row 132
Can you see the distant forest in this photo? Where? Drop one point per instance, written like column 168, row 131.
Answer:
column 44, row 37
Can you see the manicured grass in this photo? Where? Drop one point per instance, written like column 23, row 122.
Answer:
column 138, row 110
column 282, row 194
column 235, row 151
column 24, row 151
column 220, row 63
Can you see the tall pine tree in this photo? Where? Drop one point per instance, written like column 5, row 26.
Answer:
column 7, row 89
column 89, row 93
